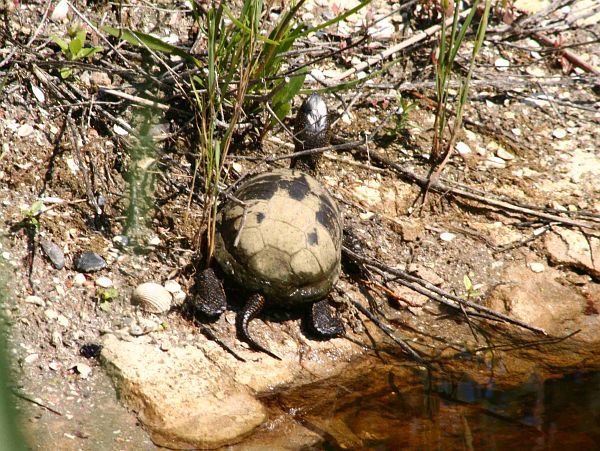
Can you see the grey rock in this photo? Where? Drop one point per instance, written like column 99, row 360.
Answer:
column 89, row 262
column 53, row 252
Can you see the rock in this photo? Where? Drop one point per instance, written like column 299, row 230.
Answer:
column 121, row 241
column 31, row 358
column 104, row 282
column 83, row 370
column 536, row 266
column 495, row 162
column 572, row 249
column 25, row 130
column 501, row 64
column 504, row 154
column 463, row 148
column 447, row 236
column 60, row 11
column 63, row 320
column 172, row 286
column 79, row 279
column 559, row 133
column 425, row 274
column 51, row 314
column 411, row 231
column 184, row 399
column 35, row 300
column 89, row 262
column 540, row 300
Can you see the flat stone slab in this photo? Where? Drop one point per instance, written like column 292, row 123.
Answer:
column 183, row 399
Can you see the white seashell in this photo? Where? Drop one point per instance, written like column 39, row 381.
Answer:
column 152, row 297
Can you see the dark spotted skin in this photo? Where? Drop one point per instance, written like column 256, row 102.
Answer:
column 284, row 244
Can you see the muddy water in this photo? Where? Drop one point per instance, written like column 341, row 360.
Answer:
column 407, row 410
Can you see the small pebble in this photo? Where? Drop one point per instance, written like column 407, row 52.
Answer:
column 79, row 279
column 172, row 286
column 62, row 320
column 36, row 300
column 89, row 262
column 51, row 314
column 83, row 370
column 136, row 330
column 179, row 296
column 559, row 133
column 495, row 162
column 104, row 282
column 24, row 130
column 61, row 9
column 536, row 267
column 31, row 358
column 504, row 154
column 38, row 93
column 54, row 366
column 154, row 241
column 447, row 236
column 56, row 339
column 121, row 240
column 463, row 148
column 501, row 64
column 53, row 252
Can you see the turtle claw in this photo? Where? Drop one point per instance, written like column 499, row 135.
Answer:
column 211, row 300
column 252, row 308
column 324, row 322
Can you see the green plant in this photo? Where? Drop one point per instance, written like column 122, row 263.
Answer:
column 402, row 112
column 75, row 49
column 30, row 215
column 471, row 291
column 450, row 42
column 105, row 297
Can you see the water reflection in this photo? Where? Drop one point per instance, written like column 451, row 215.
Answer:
column 443, row 415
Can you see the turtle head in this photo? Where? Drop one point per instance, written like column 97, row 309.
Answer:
column 311, row 130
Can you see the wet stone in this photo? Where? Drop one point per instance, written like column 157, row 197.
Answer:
column 89, row 262
column 54, row 253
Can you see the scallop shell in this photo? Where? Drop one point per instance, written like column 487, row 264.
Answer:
column 152, row 297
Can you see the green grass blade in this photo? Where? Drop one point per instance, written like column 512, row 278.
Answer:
column 142, row 39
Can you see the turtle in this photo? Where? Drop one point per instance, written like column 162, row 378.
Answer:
column 280, row 238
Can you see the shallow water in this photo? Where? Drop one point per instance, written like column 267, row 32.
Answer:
column 442, row 415
column 561, row 413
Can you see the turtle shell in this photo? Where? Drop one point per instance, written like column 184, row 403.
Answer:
column 290, row 242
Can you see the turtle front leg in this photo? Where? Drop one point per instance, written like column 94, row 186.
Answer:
column 252, row 308
column 324, row 321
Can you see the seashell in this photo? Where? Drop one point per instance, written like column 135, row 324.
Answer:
column 152, row 297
